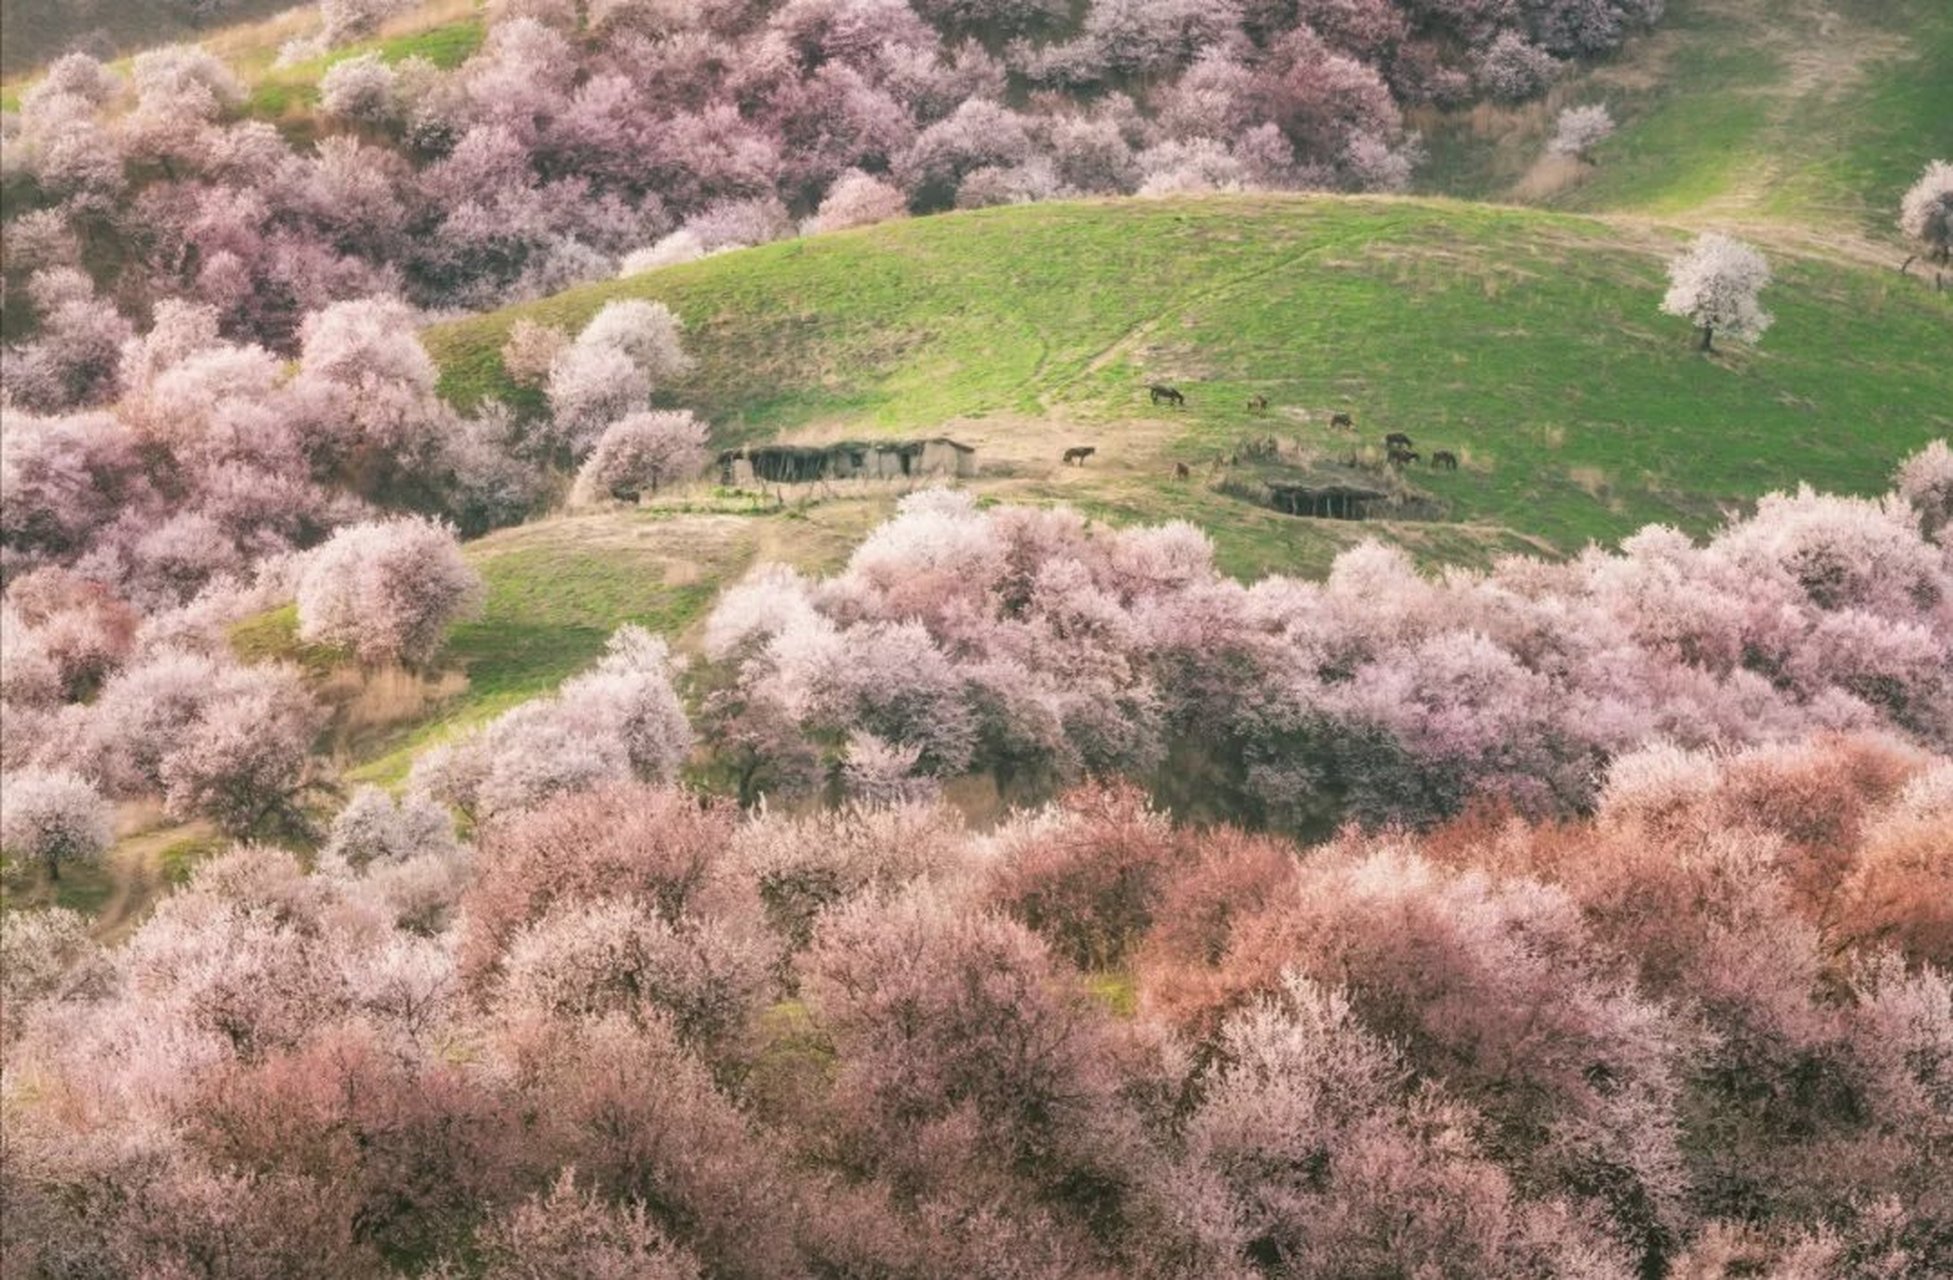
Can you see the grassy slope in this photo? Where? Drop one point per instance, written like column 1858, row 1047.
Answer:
column 1528, row 342
column 1821, row 116
column 1814, row 112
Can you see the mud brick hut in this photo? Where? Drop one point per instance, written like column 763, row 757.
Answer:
column 847, row 460
column 1330, row 501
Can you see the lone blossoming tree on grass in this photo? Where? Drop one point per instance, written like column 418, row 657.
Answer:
column 387, row 590
column 1580, row 130
column 1714, row 286
column 1926, row 215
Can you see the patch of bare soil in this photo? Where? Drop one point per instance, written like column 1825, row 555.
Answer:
column 675, row 536
column 369, row 704
column 1550, row 175
column 135, row 865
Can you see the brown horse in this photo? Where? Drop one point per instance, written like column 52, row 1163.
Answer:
column 1163, row 394
column 1258, row 404
column 1397, row 440
column 1077, row 454
column 1445, row 460
column 1343, row 421
column 1181, row 471
column 1400, row 456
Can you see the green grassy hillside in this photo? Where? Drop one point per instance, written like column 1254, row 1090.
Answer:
column 1529, row 343
column 1819, row 112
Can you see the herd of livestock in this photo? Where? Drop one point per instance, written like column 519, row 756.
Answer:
column 1399, row 449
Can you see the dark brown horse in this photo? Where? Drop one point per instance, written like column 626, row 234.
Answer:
column 1400, row 456
column 1181, row 471
column 1077, row 454
column 1258, row 404
column 1163, row 394
column 1343, row 421
column 1445, row 460
column 1397, row 440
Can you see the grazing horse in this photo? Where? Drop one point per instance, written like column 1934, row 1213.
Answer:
column 1077, row 454
column 1342, row 420
column 1258, row 404
column 1163, row 394
column 1400, row 455
column 1445, row 459
column 1181, row 471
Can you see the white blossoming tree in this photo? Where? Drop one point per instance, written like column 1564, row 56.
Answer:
column 1581, row 129
column 1926, row 215
column 53, row 817
column 1714, row 285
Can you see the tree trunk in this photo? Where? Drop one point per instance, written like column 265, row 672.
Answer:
column 1708, row 338
column 54, row 867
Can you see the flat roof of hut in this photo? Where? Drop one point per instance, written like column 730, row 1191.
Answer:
column 850, row 459
column 1328, row 501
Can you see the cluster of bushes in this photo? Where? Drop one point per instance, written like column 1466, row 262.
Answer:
column 580, row 138
column 1634, row 963
column 1706, row 1032
column 1031, row 645
column 222, row 481
column 131, row 536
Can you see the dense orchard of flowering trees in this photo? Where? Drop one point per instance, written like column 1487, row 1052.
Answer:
column 223, row 481
column 582, row 137
column 133, row 534
column 1031, row 645
column 1017, row 642
column 1705, row 1032
column 1626, row 952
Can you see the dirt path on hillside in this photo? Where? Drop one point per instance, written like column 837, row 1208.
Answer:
column 1823, row 54
column 135, row 867
column 1657, row 236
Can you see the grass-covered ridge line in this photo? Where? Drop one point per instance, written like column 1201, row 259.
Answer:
column 1528, row 342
